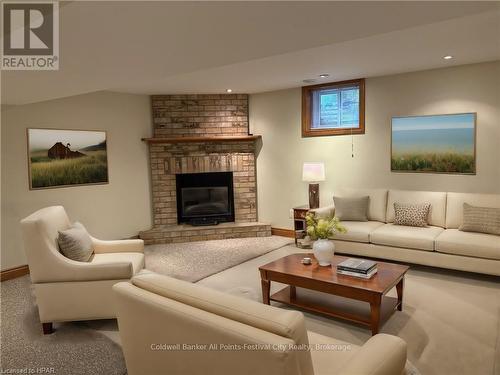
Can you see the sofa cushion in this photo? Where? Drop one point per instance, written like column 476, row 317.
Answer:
column 413, row 215
column 378, row 201
column 455, row 205
column 480, row 245
column 351, row 208
column 421, row 238
column 481, row 220
column 358, row 231
column 75, row 243
column 437, row 213
column 136, row 259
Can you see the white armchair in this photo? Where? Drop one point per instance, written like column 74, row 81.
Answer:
column 67, row 290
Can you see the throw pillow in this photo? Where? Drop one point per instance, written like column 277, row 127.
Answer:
column 75, row 243
column 351, row 209
column 481, row 219
column 413, row 215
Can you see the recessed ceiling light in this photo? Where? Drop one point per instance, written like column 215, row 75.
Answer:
column 448, row 57
column 324, row 75
column 229, row 90
column 309, row 80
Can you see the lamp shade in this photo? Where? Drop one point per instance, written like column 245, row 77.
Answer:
column 313, row 172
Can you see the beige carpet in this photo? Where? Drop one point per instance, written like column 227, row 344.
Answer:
column 73, row 349
column 450, row 320
column 193, row 261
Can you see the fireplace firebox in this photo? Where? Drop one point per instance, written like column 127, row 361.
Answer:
column 205, row 198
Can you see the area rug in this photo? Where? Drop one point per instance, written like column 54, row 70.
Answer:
column 193, row 261
column 72, row 349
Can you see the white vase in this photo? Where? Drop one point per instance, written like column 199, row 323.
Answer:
column 323, row 250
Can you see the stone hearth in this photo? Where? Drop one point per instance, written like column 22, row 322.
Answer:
column 214, row 117
column 188, row 233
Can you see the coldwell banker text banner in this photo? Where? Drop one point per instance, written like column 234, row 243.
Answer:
column 30, row 35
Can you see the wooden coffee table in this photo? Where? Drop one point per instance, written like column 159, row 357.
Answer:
column 351, row 293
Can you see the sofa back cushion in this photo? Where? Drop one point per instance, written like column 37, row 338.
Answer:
column 411, row 214
column 377, row 202
column 75, row 243
column 285, row 323
column 455, row 206
column 437, row 200
column 351, row 209
column 481, row 220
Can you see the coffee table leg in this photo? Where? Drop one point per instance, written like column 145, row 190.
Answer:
column 375, row 314
column 293, row 292
column 399, row 290
column 266, row 288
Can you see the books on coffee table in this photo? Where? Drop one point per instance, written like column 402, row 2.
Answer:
column 357, row 267
column 356, row 274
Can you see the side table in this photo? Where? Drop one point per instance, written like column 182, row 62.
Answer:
column 299, row 223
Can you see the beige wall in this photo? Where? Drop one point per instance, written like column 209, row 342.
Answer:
column 115, row 210
column 276, row 115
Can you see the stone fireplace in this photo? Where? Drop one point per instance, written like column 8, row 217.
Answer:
column 202, row 134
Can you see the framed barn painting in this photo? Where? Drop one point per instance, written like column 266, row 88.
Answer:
column 62, row 158
column 434, row 144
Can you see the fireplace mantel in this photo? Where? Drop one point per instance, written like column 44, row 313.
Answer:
column 236, row 138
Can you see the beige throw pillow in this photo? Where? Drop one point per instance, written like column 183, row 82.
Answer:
column 481, row 219
column 413, row 215
column 75, row 243
column 351, row 209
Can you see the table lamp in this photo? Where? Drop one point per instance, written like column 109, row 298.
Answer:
column 313, row 173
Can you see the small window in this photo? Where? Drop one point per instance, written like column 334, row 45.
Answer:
column 336, row 108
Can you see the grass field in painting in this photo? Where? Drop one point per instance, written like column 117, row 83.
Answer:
column 433, row 162
column 89, row 169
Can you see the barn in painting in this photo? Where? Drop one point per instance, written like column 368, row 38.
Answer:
column 59, row 151
column 60, row 157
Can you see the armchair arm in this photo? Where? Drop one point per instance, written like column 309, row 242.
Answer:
column 380, row 355
column 324, row 212
column 83, row 271
column 62, row 269
column 118, row 246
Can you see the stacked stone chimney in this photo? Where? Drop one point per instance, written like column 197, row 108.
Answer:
column 181, row 122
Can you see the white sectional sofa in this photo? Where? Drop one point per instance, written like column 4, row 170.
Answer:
column 440, row 244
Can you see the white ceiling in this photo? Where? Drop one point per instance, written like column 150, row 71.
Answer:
column 167, row 47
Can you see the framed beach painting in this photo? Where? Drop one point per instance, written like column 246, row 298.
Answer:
column 61, row 158
column 434, row 144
